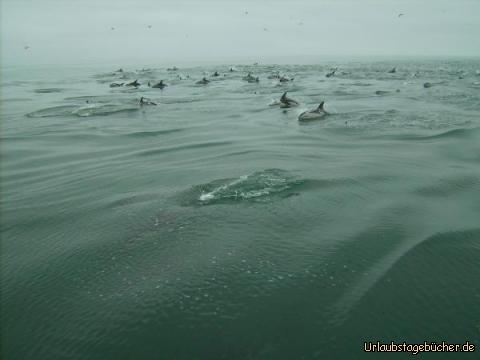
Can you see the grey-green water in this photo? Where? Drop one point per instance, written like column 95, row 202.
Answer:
column 215, row 226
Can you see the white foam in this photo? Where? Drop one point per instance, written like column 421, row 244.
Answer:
column 206, row 197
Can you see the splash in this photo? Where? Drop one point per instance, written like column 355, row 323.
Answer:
column 258, row 186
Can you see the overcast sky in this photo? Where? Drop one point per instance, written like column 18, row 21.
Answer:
column 80, row 31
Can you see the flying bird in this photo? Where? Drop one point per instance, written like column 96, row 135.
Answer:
column 112, row 28
column 400, row 15
column 149, row 26
column 26, row 47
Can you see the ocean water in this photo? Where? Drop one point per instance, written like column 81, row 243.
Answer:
column 215, row 226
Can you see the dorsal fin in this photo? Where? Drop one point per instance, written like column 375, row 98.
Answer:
column 320, row 107
column 284, row 96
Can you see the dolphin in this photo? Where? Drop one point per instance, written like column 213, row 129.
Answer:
column 283, row 78
column 250, row 78
column 427, row 85
column 216, row 73
column 116, row 85
column 144, row 101
column 331, row 73
column 393, row 71
column 159, row 85
column 316, row 114
column 286, row 102
column 275, row 75
column 133, row 83
column 204, row 81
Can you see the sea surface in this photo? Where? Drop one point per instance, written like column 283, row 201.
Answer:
column 215, row 225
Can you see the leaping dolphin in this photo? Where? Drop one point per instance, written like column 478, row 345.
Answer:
column 286, row 102
column 331, row 73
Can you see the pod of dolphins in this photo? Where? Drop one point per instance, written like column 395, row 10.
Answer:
column 284, row 102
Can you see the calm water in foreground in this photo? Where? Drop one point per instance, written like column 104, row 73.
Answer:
column 215, row 226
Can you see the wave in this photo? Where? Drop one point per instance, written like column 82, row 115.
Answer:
column 182, row 147
column 451, row 186
column 49, row 90
column 421, row 248
column 141, row 134
column 454, row 133
column 63, row 110
column 102, row 110
column 82, row 111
